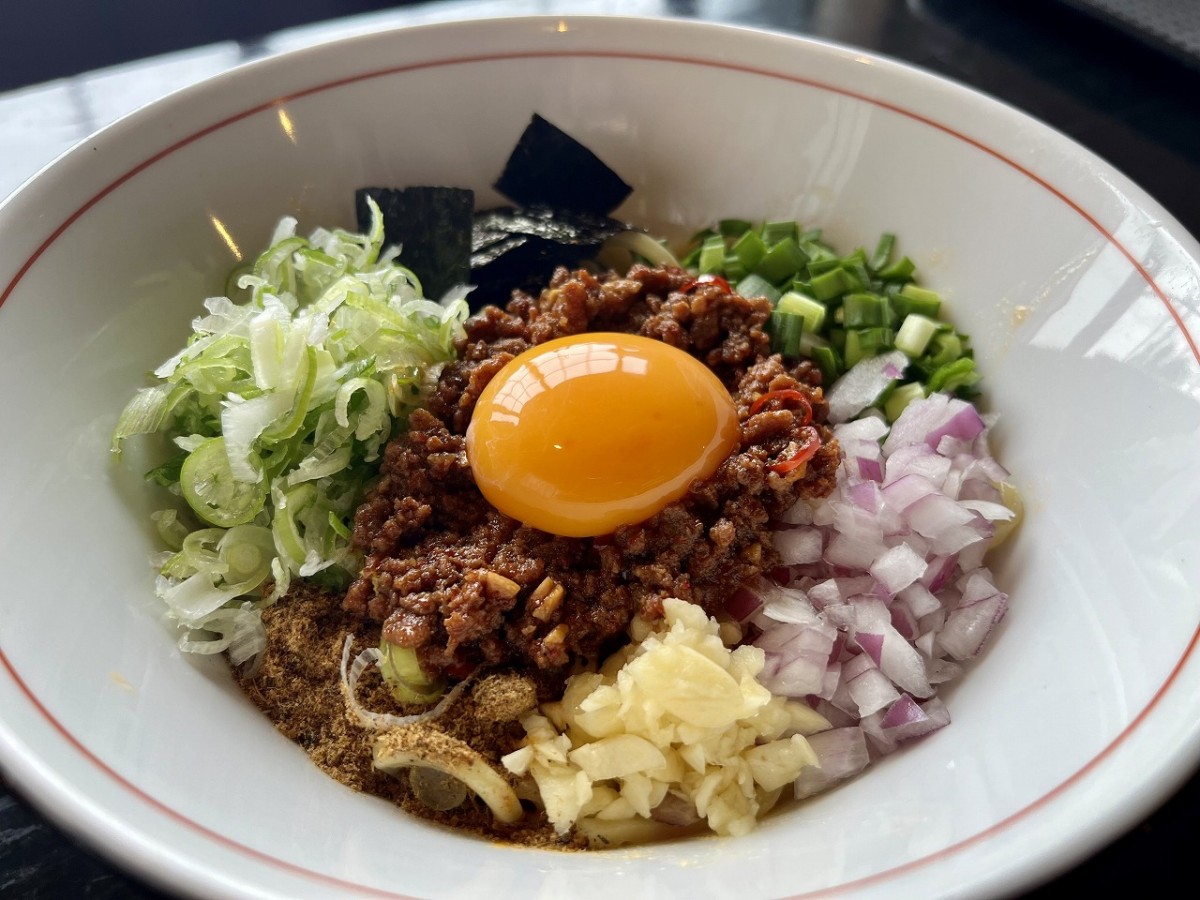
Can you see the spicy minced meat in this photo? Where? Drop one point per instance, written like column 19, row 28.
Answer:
column 464, row 585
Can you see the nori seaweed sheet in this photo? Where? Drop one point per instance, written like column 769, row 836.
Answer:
column 550, row 168
column 520, row 248
column 432, row 225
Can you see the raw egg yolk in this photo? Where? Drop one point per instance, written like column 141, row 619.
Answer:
column 582, row 434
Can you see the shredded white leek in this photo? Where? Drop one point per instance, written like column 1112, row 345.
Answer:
column 304, row 379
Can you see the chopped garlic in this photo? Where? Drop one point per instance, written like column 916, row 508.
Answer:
column 676, row 711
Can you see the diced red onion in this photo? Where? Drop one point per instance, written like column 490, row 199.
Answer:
column 907, row 490
column 905, row 720
column 919, row 600
column 743, row 604
column 862, row 385
column 886, row 590
column 865, row 495
column 870, row 429
column 868, row 468
column 904, row 711
column 939, row 571
column 898, row 567
column 842, row 753
column 797, row 546
column 904, row 621
column 870, row 644
column 871, row 691
column 967, row 627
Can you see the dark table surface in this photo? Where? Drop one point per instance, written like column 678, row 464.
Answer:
column 1132, row 99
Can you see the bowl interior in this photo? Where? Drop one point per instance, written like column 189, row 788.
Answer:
column 1076, row 289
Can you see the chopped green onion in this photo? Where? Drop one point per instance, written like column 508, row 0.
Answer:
column 913, row 299
column 829, row 362
column 749, row 250
column 712, row 256
column 774, row 232
column 883, row 251
column 797, row 304
column 954, row 376
column 786, row 331
column 865, row 310
column 831, row 283
column 944, row 349
column 900, row 397
column 402, row 672
column 901, row 270
column 757, row 286
column 914, row 335
column 781, row 262
column 733, row 227
column 840, row 309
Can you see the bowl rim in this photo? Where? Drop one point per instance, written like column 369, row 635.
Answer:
column 46, row 790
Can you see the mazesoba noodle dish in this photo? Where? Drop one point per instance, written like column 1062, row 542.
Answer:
column 541, row 529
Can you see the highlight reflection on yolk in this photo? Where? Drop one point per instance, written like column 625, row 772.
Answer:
column 582, row 434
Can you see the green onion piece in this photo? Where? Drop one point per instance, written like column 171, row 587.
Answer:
column 757, row 286
column 883, row 251
column 732, row 267
column 403, row 674
column 797, row 304
column 712, row 255
column 901, row 270
column 829, row 284
column 208, row 486
column 901, row 397
column 339, row 527
column 167, row 474
column 733, row 228
column 817, row 251
column 913, row 299
column 864, row 342
column 819, row 265
column 954, row 376
column 782, row 262
column 829, row 363
column 944, row 349
column 171, row 531
column 876, row 339
column 859, row 277
column 286, row 529
column 915, row 334
column 786, row 331
column 774, row 232
column 749, row 249
column 854, row 351
column 865, row 310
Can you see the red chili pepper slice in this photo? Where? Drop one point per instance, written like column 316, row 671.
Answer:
column 709, row 278
column 806, row 452
column 785, row 395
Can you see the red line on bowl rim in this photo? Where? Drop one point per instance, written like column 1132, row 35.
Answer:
column 468, row 59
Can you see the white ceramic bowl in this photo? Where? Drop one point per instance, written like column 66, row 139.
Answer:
column 1080, row 293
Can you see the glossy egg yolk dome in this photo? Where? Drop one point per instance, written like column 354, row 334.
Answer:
column 583, row 434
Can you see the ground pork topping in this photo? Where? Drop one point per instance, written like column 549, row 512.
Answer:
column 464, row 585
